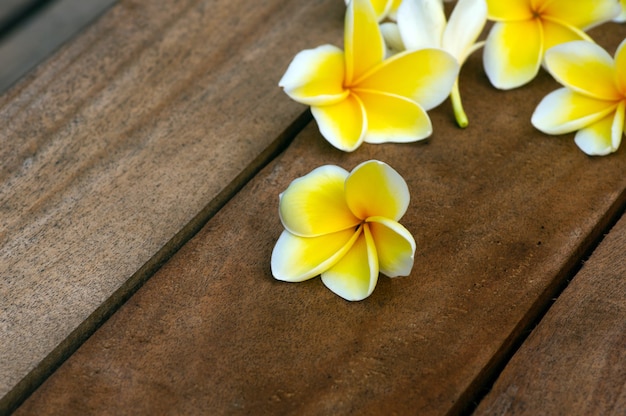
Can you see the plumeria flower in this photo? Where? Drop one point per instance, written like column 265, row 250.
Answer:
column 621, row 18
column 384, row 8
column 593, row 100
column 344, row 227
column 358, row 96
column 422, row 24
column 526, row 29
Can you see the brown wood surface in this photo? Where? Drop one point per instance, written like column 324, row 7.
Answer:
column 574, row 362
column 114, row 150
column 502, row 214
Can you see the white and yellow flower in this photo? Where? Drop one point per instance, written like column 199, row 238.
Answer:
column 344, row 227
column 593, row 100
column 422, row 24
column 525, row 29
column 358, row 96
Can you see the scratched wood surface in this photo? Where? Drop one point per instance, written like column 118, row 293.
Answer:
column 116, row 149
column 575, row 361
column 502, row 215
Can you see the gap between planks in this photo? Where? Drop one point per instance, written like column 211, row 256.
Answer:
column 569, row 266
column 65, row 349
column 483, row 384
column 152, row 35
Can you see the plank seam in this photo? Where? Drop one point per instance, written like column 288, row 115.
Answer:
column 483, row 383
column 38, row 375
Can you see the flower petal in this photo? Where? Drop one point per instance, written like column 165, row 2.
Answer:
column 604, row 136
column 381, row 7
column 315, row 203
column 295, row 259
column 513, row 53
column 363, row 42
column 393, row 10
column 583, row 14
column 619, row 128
column 391, row 118
column 342, row 124
column 621, row 17
column 584, row 67
column 620, row 68
column 395, row 246
column 375, row 189
column 563, row 111
column 556, row 33
column 315, row 76
column 354, row 277
column 421, row 23
column 425, row 76
column 475, row 47
column 465, row 25
column 499, row 10
column 393, row 40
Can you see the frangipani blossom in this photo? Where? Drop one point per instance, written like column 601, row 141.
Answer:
column 593, row 100
column 422, row 24
column 526, row 29
column 384, row 8
column 358, row 96
column 344, row 227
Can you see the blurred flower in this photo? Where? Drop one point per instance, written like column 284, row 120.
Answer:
column 422, row 24
column 593, row 100
column 525, row 29
column 358, row 96
column 345, row 227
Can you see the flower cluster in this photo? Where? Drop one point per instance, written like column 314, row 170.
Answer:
column 401, row 58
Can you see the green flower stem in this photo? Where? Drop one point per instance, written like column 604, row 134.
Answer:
column 457, row 106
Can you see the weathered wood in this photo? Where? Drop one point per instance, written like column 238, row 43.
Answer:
column 574, row 362
column 41, row 34
column 111, row 148
column 501, row 214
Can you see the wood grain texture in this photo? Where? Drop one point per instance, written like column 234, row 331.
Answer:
column 501, row 214
column 574, row 362
column 116, row 144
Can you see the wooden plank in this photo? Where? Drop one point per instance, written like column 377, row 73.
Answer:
column 501, row 214
column 41, row 34
column 121, row 146
column 574, row 362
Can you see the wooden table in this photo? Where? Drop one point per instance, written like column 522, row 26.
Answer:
column 139, row 181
